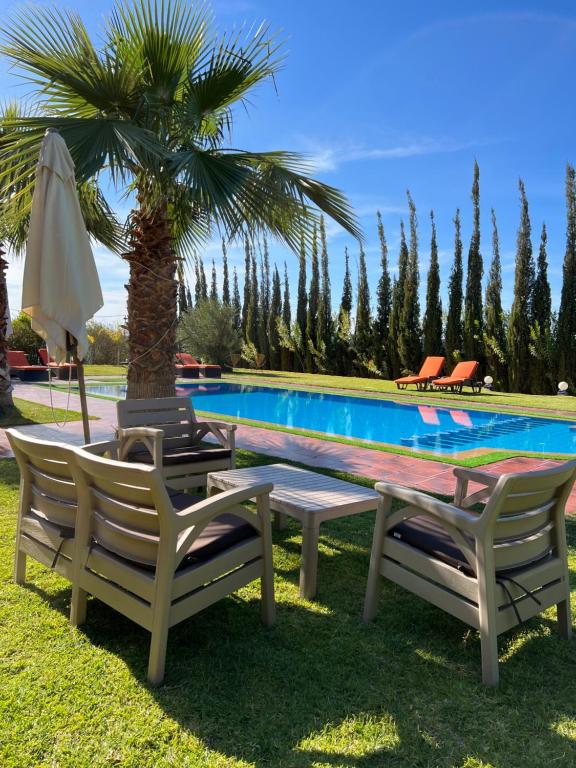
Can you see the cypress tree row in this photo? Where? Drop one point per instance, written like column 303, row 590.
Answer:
column 363, row 325
column 409, row 345
column 544, row 365
column 274, row 313
column 453, row 340
column 225, row 277
column 520, row 314
column 383, row 305
column 236, row 304
column 475, row 271
column 432, row 330
column 254, row 303
column 566, row 334
column 397, row 304
column 264, row 312
column 494, row 325
column 247, row 289
column 214, row 283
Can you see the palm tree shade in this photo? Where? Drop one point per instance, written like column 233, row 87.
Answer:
column 153, row 108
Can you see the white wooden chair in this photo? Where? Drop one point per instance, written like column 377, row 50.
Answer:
column 494, row 569
column 159, row 559
column 165, row 432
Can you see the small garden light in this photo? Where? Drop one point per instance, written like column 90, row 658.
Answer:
column 488, row 381
column 563, row 388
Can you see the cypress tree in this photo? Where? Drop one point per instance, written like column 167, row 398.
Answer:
column 274, row 313
column 225, row 277
column 302, row 299
column 342, row 344
column 254, row 306
column 383, row 305
column 200, row 289
column 396, row 310
column 189, row 297
column 214, row 283
column 432, row 330
column 520, row 315
column 313, row 302
column 453, row 341
column 494, row 323
column 236, row 303
column 286, row 355
column 264, row 311
column 566, row 333
column 247, row 288
column 475, row 271
column 363, row 325
column 325, row 330
column 544, row 364
column 182, row 299
column 409, row 335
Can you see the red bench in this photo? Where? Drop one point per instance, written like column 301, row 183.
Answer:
column 64, row 371
column 189, row 368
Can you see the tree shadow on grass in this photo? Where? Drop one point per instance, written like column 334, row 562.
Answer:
column 322, row 688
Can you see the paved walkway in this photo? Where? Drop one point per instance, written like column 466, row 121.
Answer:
column 418, row 473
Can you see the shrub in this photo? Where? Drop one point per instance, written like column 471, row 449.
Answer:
column 24, row 338
column 208, row 332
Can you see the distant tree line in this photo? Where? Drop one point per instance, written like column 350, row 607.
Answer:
column 384, row 333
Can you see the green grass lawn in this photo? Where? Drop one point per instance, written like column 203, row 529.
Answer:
column 104, row 370
column 317, row 690
column 27, row 412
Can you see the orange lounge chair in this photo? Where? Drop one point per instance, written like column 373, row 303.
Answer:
column 64, row 371
column 431, row 369
column 188, row 367
column 20, row 367
column 463, row 374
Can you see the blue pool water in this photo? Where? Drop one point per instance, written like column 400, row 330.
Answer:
column 442, row 430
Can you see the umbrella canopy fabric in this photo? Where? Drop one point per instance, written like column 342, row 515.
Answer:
column 61, row 289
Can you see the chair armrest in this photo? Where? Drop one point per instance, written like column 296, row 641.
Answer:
column 150, row 437
column 111, row 447
column 441, row 510
column 216, row 505
column 465, row 476
column 475, row 476
column 221, row 430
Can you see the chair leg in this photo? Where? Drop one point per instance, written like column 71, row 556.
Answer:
column 78, row 606
column 373, row 583
column 19, row 566
column 268, row 606
column 489, row 646
column 564, row 619
column 157, row 658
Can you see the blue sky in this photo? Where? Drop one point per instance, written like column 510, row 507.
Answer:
column 398, row 96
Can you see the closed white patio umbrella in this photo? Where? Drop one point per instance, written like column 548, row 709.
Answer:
column 61, row 290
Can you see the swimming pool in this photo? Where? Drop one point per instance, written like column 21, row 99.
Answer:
column 445, row 430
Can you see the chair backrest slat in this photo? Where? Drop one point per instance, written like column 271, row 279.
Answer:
column 524, row 510
column 176, row 413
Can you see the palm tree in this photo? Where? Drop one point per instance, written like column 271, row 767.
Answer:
column 15, row 206
column 153, row 108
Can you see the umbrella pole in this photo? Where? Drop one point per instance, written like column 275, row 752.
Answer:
column 81, row 389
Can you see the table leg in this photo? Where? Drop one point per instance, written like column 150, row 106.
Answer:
column 309, row 565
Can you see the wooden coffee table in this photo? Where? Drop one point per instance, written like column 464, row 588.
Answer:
column 307, row 496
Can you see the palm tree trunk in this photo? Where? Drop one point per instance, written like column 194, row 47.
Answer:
column 152, row 315
column 6, row 401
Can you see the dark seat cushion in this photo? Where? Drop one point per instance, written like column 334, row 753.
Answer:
column 430, row 537
column 184, row 455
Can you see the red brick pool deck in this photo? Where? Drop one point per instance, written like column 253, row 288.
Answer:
column 423, row 474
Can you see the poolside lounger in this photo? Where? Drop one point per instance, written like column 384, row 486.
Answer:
column 159, row 559
column 431, row 369
column 492, row 570
column 165, row 432
column 462, row 375
column 20, row 367
column 188, row 367
column 64, row 371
